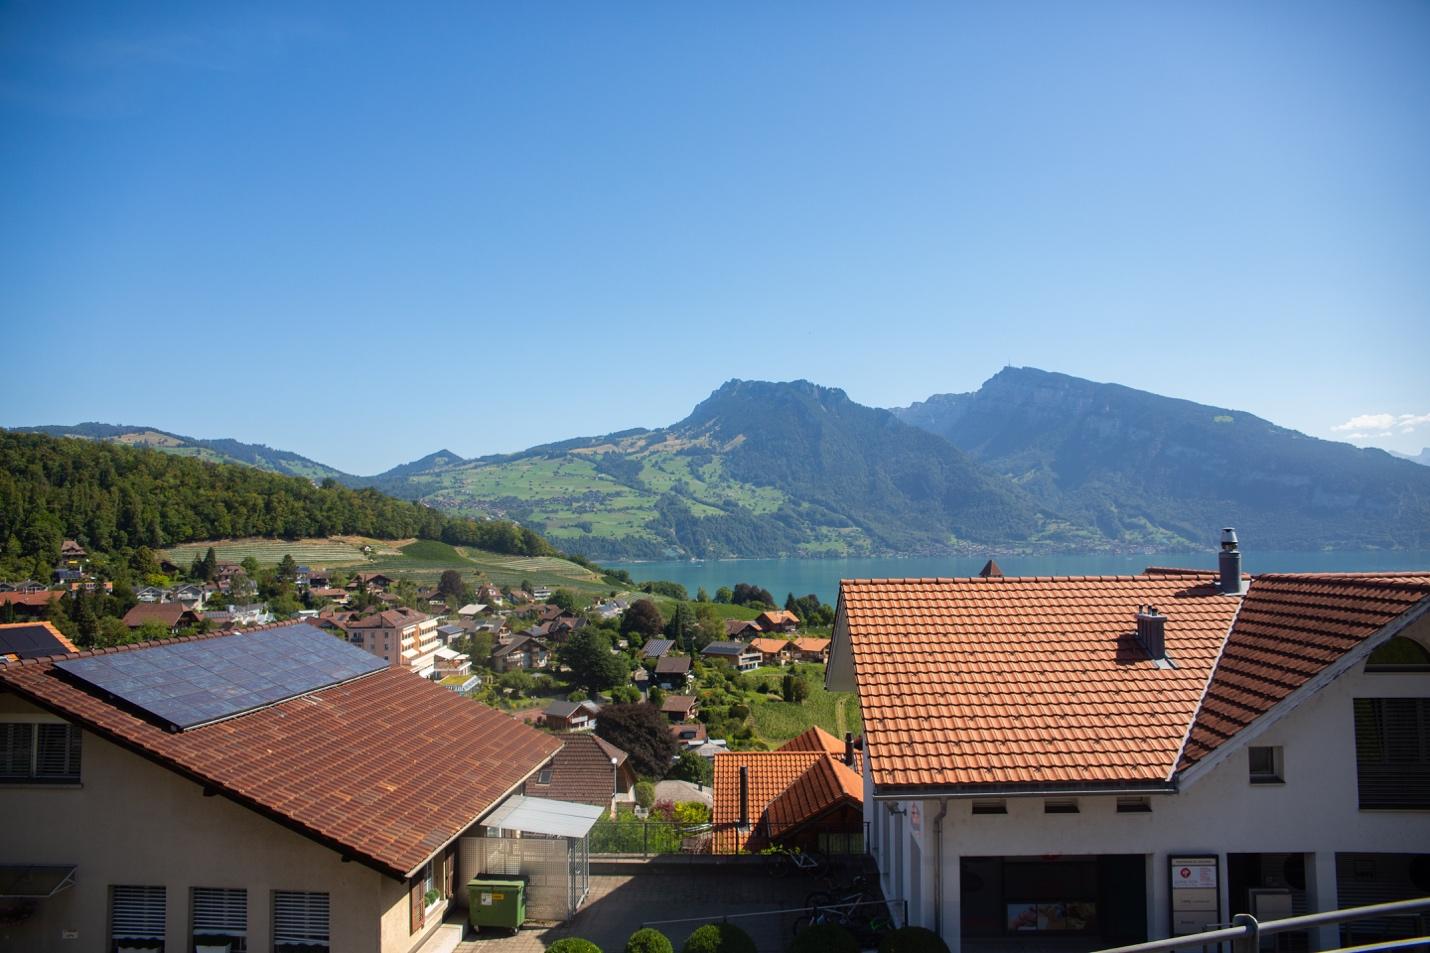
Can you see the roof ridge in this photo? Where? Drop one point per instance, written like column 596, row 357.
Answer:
column 1152, row 576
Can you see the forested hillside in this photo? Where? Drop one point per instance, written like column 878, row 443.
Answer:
column 112, row 498
column 223, row 450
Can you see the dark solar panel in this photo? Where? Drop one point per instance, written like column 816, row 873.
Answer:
column 193, row 683
column 29, row 641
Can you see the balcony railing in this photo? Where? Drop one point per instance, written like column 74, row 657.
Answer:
column 1245, row 932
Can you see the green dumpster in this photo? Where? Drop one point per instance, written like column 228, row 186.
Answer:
column 497, row 903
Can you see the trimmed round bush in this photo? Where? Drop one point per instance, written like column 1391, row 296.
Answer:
column 824, row 938
column 648, row 940
column 912, row 940
column 573, row 944
column 719, row 938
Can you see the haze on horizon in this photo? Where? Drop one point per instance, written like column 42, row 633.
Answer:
column 362, row 235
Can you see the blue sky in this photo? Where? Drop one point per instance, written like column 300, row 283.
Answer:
column 364, row 233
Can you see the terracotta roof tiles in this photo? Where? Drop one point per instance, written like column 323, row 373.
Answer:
column 385, row 768
column 1028, row 682
column 1290, row 628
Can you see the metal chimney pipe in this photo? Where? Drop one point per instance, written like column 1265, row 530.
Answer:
column 744, row 797
column 849, row 748
column 1229, row 563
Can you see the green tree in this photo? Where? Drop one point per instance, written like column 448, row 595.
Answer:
column 111, row 632
column 642, row 732
column 565, row 599
column 681, row 627
column 701, row 595
column 593, row 667
column 689, row 766
column 723, row 595
column 642, row 618
column 451, row 585
column 287, row 568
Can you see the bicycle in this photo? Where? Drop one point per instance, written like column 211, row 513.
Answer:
column 787, row 862
column 845, row 911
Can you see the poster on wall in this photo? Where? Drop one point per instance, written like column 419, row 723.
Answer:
column 1196, row 893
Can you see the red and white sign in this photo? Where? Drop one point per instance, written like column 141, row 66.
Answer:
column 1193, row 876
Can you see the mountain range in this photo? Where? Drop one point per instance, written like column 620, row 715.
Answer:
column 1031, row 462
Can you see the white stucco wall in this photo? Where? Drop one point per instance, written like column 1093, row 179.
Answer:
column 1315, row 811
column 133, row 822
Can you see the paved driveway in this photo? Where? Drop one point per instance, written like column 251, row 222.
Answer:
column 621, row 902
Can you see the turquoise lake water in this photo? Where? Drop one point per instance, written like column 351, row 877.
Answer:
column 821, row 576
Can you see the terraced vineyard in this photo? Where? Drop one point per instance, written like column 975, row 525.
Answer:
column 269, row 552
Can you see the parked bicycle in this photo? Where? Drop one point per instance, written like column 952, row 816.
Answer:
column 858, row 909
column 785, row 862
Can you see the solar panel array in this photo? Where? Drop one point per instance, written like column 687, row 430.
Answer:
column 188, row 684
column 29, row 641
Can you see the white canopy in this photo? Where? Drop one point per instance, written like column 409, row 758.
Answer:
column 540, row 815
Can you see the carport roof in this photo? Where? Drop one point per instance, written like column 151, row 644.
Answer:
column 539, row 815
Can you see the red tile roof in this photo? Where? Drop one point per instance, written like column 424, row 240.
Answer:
column 386, row 769
column 1289, row 629
column 815, row 738
column 787, row 789
column 771, row 773
column 827, row 784
column 769, row 646
column 167, row 614
column 581, row 771
column 33, row 599
column 1031, row 682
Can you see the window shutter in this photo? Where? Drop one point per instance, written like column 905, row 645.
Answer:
column 57, row 754
column 221, row 911
column 136, row 913
column 418, row 905
column 449, row 864
column 1393, row 752
column 15, row 749
column 300, row 917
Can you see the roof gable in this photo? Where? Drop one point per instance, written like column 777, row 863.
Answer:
column 1290, row 629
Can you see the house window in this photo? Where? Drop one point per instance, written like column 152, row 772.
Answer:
column 299, row 918
column 39, row 752
column 136, row 918
column 1265, row 765
column 544, row 775
column 1399, row 655
column 1134, row 805
column 841, row 843
column 1393, row 753
column 1067, row 805
column 220, row 919
column 991, row 805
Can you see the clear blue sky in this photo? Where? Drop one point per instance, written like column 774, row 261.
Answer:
column 366, row 233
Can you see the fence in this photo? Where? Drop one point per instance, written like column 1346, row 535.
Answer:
column 628, row 834
column 1245, row 932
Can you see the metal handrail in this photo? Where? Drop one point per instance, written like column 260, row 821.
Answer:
column 1246, row 927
